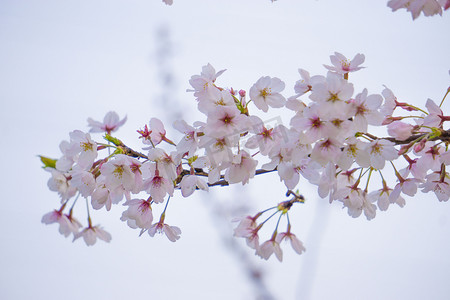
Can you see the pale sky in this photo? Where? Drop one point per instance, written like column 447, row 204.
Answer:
column 64, row 61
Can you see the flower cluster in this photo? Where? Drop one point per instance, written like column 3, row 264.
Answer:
column 415, row 7
column 327, row 144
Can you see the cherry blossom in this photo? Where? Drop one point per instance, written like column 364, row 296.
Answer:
column 330, row 141
column 205, row 81
column 60, row 182
column 242, row 168
column 171, row 232
column 440, row 185
column 118, row 173
column 296, row 244
column 266, row 92
column 304, row 85
column 400, row 130
column 224, row 121
column 190, row 182
column 366, row 108
column 332, row 95
column 111, row 122
column 381, row 151
column 67, row 224
column 158, row 186
column 248, row 228
column 189, row 142
column 84, row 181
column 91, row 234
column 428, row 7
column 85, row 146
column 139, row 214
column 268, row 248
column 435, row 116
column 342, row 65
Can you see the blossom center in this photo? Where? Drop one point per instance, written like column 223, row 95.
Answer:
column 333, row 97
column 118, row 171
column 86, row 146
column 264, row 92
column 227, row 119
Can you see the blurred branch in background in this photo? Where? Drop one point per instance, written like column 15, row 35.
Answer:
column 221, row 213
column 172, row 107
column 307, row 275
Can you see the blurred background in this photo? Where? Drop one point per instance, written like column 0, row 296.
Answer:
column 64, row 61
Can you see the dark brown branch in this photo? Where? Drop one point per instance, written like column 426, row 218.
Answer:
column 445, row 137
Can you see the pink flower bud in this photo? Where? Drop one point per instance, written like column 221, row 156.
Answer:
column 399, row 130
column 404, row 149
column 419, row 146
column 242, row 93
column 390, row 119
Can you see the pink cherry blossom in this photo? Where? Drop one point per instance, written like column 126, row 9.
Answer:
column 190, row 182
column 440, row 186
column 312, row 123
column 381, row 151
column 118, row 173
column 158, row 132
column 406, row 186
column 66, row 225
column 266, row 92
column 390, row 102
column 84, row 181
column 91, row 233
column 189, row 142
column 415, row 7
column 167, row 164
column 85, row 146
column 139, row 214
column 225, row 121
column 435, row 115
column 158, row 186
column 429, row 158
column 353, row 151
column 400, row 130
column 296, row 244
column 366, row 110
column 242, row 168
column 305, row 84
column 215, row 98
column 332, row 95
column 171, row 232
column 445, row 158
column 111, row 122
column 268, row 248
column 248, row 228
column 70, row 153
column 263, row 138
column 60, row 182
column 104, row 197
column 342, row 65
column 205, row 81
column 327, row 150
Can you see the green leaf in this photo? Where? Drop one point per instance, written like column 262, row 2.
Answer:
column 113, row 140
column 48, row 162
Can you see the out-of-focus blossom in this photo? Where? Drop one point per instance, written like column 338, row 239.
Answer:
column 111, row 122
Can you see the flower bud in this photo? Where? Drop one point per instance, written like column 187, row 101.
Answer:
column 404, row 149
column 419, row 146
column 399, row 130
